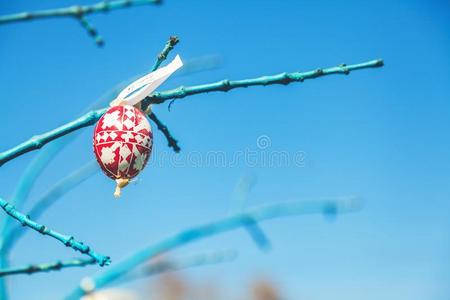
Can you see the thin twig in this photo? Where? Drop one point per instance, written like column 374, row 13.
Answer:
column 171, row 141
column 240, row 195
column 47, row 267
column 226, row 224
column 68, row 241
column 75, row 11
column 173, row 40
column 48, row 199
column 178, row 93
column 91, row 30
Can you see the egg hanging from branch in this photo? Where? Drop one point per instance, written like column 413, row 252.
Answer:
column 123, row 137
column 122, row 143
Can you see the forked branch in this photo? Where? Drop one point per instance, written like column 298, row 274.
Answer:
column 75, row 11
column 78, row 12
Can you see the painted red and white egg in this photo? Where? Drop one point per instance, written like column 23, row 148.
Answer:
column 122, row 142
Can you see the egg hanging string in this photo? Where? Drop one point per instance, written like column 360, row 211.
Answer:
column 111, row 150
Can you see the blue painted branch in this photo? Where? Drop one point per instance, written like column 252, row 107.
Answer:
column 47, row 267
column 226, row 224
column 178, row 93
column 282, row 78
column 68, row 241
column 39, row 141
column 75, row 11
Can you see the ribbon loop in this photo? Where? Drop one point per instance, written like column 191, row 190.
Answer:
column 144, row 86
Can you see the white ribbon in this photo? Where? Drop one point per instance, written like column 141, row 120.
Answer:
column 144, row 86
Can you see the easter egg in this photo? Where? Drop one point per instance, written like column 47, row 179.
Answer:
column 122, row 142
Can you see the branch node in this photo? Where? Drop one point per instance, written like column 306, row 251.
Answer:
column 344, row 68
column 173, row 40
column 58, row 265
column 104, row 6
column 379, row 63
column 85, row 249
column 42, row 229
column 226, row 86
column 69, row 241
column 77, row 10
column 31, row 269
column 285, row 78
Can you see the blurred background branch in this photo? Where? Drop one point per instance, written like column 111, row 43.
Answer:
column 239, row 199
column 116, row 271
column 164, row 264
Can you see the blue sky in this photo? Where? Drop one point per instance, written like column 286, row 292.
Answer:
column 381, row 134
